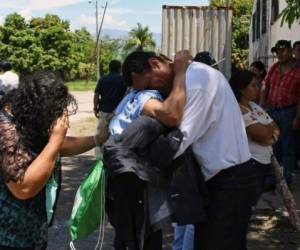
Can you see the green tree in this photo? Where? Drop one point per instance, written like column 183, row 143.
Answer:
column 240, row 29
column 140, row 38
column 291, row 13
column 47, row 43
column 15, row 21
column 109, row 49
column 84, row 43
column 42, row 43
column 83, row 47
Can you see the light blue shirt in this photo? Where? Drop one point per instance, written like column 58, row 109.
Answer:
column 130, row 108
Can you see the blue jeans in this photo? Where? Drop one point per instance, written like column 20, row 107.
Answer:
column 183, row 237
column 285, row 148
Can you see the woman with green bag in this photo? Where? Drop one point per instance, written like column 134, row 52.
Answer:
column 33, row 126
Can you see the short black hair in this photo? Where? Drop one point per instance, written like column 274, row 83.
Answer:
column 114, row 66
column 5, row 65
column 239, row 81
column 260, row 66
column 205, row 57
column 296, row 43
column 136, row 62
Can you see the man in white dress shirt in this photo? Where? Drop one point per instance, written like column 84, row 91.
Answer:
column 8, row 79
column 213, row 125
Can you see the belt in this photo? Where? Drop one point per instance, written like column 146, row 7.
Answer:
column 284, row 107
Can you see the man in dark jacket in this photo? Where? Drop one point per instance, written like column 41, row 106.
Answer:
column 109, row 92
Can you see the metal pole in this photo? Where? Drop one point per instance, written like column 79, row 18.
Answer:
column 98, row 37
column 228, row 53
column 97, row 44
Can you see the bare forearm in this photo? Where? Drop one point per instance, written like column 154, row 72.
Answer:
column 37, row 174
column 171, row 111
column 263, row 133
column 76, row 145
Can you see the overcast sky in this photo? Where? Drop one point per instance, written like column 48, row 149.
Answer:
column 121, row 14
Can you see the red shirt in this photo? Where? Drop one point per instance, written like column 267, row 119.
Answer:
column 284, row 89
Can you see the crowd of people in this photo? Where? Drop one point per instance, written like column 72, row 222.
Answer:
column 180, row 144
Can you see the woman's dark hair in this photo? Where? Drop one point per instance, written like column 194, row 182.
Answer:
column 260, row 66
column 240, row 81
column 39, row 100
column 136, row 62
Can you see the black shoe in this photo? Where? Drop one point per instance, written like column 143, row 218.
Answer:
column 269, row 188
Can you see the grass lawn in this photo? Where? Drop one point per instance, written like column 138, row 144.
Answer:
column 81, row 85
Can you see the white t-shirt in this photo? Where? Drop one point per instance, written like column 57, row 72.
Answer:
column 212, row 121
column 8, row 81
column 259, row 152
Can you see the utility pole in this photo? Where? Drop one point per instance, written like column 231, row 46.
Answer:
column 97, row 40
column 228, row 36
column 97, row 43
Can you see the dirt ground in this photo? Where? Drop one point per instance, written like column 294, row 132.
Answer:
column 269, row 229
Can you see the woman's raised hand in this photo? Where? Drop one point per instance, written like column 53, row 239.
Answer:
column 59, row 129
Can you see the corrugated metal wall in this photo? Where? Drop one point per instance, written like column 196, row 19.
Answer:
column 198, row 29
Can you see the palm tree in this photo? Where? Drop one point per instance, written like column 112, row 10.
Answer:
column 140, row 38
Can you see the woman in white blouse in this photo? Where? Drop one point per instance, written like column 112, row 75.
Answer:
column 261, row 130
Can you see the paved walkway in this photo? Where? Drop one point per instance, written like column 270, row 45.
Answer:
column 85, row 105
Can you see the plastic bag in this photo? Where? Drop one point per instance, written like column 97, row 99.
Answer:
column 52, row 191
column 51, row 194
column 89, row 204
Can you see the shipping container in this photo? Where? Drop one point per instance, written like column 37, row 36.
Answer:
column 198, row 28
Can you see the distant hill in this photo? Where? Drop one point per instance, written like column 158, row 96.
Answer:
column 113, row 33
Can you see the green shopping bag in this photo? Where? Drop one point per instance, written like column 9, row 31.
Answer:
column 88, row 208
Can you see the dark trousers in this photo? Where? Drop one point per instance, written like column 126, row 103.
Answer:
column 152, row 242
column 128, row 216
column 16, row 248
column 285, row 148
column 266, row 180
column 232, row 193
